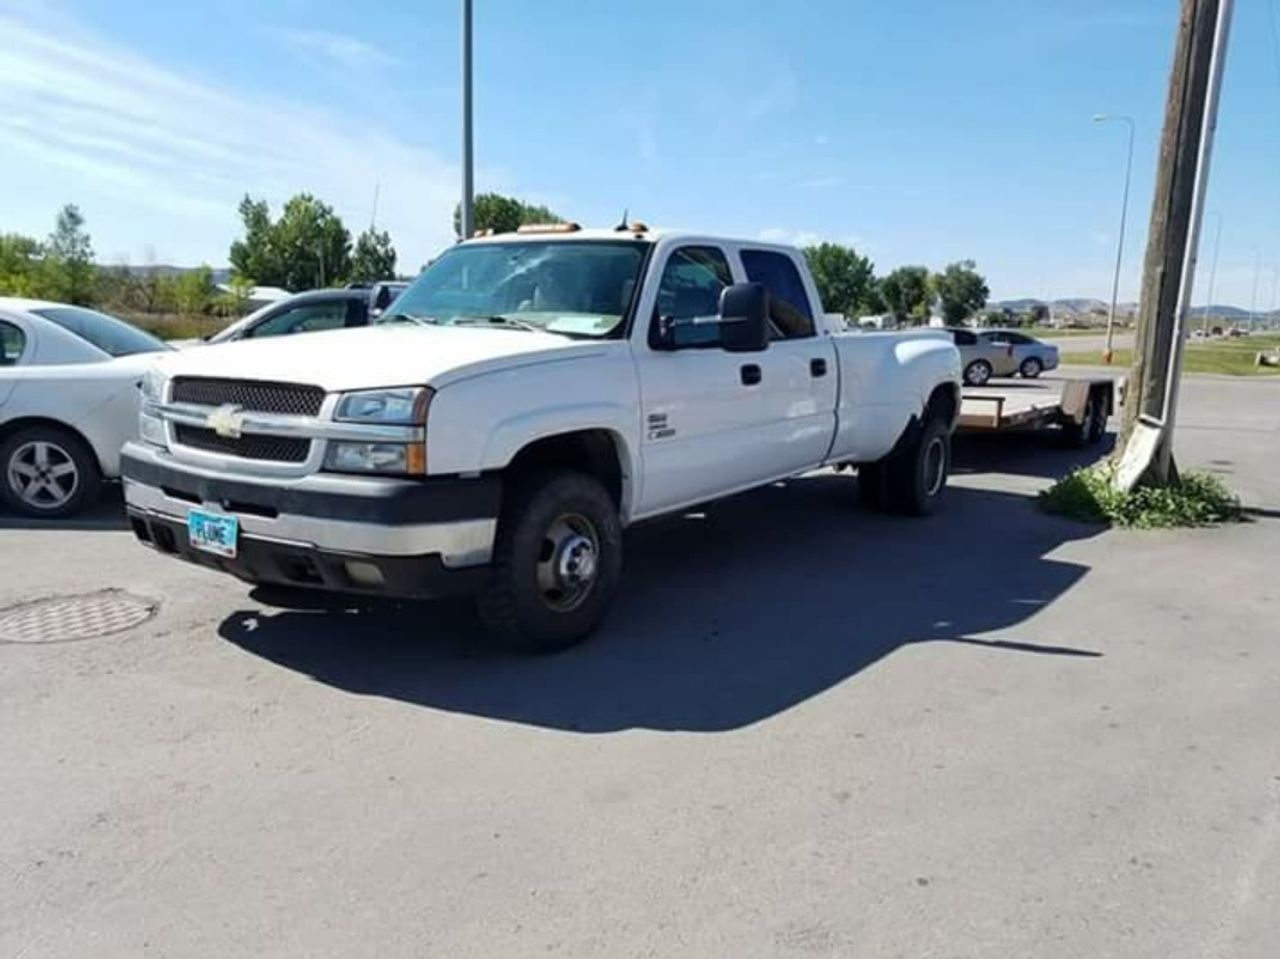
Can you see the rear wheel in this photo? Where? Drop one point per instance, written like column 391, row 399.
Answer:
column 977, row 373
column 47, row 472
column 917, row 471
column 1031, row 368
column 556, row 562
column 1093, row 423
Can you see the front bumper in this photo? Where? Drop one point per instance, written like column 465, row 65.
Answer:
column 393, row 537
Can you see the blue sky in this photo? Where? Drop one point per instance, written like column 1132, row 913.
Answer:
column 919, row 131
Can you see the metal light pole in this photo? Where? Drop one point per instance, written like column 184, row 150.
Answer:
column 1124, row 215
column 466, row 224
column 1257, row 272
column 1213, row 269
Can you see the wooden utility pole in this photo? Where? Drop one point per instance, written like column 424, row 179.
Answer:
column 1146, row 438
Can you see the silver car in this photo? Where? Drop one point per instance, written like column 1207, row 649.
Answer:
column 988, row 353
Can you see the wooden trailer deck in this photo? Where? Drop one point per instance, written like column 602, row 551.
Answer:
column 1018, row 405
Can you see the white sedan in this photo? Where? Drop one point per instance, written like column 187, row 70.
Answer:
column 68, row 401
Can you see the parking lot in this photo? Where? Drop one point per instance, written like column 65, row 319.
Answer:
column 806, row 729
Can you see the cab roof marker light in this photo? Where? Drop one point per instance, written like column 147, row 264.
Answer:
column 549, row 228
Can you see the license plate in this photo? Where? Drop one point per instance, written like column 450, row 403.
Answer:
column 213, row 532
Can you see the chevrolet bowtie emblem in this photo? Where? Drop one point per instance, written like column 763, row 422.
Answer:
column 226, row 421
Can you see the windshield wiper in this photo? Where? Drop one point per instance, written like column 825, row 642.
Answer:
column 417, row 318
column 497, row 319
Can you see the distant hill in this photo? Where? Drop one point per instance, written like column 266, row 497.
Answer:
column 1082, row 305
column 221, row 274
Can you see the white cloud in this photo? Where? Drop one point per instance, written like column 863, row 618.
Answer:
column 343, row 50
column 158, row 158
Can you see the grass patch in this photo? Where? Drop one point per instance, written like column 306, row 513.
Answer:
column 1047, row 333
column 1231, row 357
column 175, row 326
column 1088, row 496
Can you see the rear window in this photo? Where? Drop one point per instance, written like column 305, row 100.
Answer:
column 12, row 342
column 788, row 303
column 964, row 337
column 114, row 337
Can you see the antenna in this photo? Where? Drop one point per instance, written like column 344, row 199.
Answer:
column 622, row 226
column 373, row 217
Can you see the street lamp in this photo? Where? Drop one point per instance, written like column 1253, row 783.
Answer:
column 466, row 210
column 1124, row 213
column 1213, row 270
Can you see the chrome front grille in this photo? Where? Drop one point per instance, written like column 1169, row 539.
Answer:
column 249, row 446
column 254, row 396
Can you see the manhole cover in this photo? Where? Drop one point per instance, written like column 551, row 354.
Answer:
column 61, row 618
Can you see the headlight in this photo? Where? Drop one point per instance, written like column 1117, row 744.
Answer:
column 402, row 458
column 152, row 386
column 399, row 407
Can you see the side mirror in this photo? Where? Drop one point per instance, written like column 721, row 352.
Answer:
column 744, row 318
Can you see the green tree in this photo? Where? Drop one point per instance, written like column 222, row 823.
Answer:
column 1038, row 315
column 374, row 257
column 961, row 290
column 845, row 280
column 503, row 214
column 906, row 293
column 255, row 255
column 314, row 246
column 68, row 270
column 193, row 290
column 308, row 246
column 19, row 264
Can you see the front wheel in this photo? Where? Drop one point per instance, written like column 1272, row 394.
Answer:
column 556, row 562
column 47, row 472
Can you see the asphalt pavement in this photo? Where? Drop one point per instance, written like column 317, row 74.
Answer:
column 806, row 729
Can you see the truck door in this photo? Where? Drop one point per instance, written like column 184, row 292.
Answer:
column 702, row 409
column 800, row 370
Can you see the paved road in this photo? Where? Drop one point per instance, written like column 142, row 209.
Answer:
column 807, row 730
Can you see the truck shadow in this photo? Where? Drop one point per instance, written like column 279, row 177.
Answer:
column 724, row 618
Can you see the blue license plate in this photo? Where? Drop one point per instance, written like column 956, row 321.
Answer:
column 213, row 532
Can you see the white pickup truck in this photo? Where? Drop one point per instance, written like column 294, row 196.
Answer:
column 524, row 400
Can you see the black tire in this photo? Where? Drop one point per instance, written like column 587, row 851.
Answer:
column 978, row 373
column 48, row 473
column 536, row 600
column 918, row 469
column 1031, row 368
column 1092, row 427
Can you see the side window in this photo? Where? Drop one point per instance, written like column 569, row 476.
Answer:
column 690, row 290
column 964, row 338
column 12, row 342
column 307, row 318
column 789, row 307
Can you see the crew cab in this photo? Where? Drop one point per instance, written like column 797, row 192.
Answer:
column 528, row 397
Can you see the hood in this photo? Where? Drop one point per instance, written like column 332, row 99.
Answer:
column 377, row 356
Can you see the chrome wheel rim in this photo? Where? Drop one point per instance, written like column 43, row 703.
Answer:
column 43, row 475
column 1030, row 368
column 935, row 466
column 979, row 373
column 568, row 562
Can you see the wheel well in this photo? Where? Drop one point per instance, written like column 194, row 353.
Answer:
column 10, row 427
column 594, row 452
column 944, row 402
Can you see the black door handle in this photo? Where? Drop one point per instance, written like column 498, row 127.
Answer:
column 818, row 366
column 751, row 375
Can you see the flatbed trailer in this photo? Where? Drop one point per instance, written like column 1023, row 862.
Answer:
column 1078, row 406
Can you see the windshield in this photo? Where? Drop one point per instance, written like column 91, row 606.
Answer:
column 575, row 288
column 114, row 337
